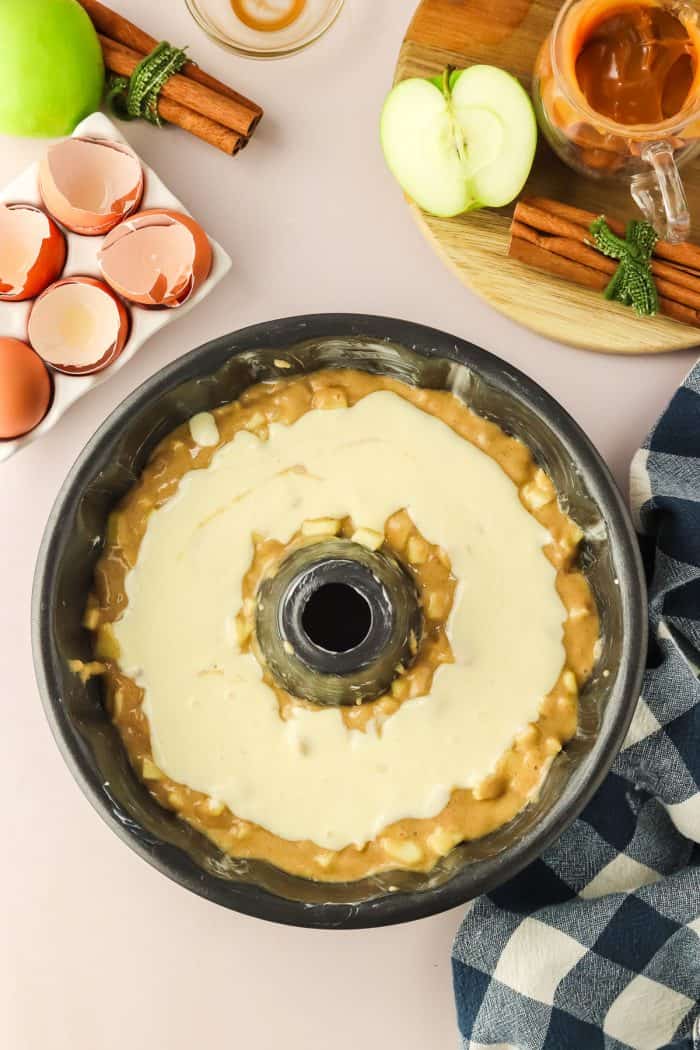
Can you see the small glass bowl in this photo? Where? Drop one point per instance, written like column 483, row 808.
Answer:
column 218, row 20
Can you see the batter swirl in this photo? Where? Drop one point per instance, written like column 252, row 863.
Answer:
column 448, row 754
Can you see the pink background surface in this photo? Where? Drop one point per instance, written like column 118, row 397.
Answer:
column 99, row 951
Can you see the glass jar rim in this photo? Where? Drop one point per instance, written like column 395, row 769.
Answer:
column 282, row 51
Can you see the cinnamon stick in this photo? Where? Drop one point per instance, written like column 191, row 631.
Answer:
column 669, row 280
column 113, row 25
column 541, row 259
column 683, row 254
column 123, row 60
column 547, row 221
column 216, row 135
column 534, row 255
column 575, row 215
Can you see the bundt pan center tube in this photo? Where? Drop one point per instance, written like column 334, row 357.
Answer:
column 336, row 618
column 335, row 621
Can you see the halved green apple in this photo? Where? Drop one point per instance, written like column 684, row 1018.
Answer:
column 462, row 141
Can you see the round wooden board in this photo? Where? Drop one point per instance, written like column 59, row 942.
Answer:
column 508, row 33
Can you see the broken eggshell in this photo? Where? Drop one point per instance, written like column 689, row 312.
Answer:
column 78, row 326
column 90, row 185
column 25, row 389
column 32, row 251
column 157, row 257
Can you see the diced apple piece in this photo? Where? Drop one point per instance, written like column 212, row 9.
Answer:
column 321, row 527
column 369, row 538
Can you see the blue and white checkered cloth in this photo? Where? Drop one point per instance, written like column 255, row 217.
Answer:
column 597, row 945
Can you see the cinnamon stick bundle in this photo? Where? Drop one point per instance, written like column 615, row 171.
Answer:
column 227, row 111
column 192, row 100
column 113, row 25
column 685, row 254
column 555, row 238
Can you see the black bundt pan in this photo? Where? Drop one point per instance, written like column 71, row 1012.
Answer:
column 217, row 373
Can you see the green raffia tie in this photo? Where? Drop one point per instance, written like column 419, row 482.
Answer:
column 137, row 95
column 632, row 282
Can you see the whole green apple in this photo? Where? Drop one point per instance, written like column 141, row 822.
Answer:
column 51, row 68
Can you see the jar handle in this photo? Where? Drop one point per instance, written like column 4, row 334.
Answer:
column 660, row 195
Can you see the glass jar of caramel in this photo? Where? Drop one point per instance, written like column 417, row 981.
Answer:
column 617, row 92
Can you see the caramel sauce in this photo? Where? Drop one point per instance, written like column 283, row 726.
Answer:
column 242, row 10
column 635, row 64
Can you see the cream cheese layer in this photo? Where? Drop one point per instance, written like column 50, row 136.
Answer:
column 215, row 725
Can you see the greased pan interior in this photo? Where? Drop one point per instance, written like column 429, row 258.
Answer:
column 219, row 372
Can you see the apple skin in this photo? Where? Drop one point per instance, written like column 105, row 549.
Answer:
column 51, row 67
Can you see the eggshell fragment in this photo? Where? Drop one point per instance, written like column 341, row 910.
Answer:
column 32, row 251
column 156, row 258
column 78, row 326
column 89, row 184
column 25, row 389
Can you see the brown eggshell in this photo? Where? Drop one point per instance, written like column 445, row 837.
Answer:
column 157, row 257
column 25, row 389
column 32, row 251
column 90, row 185
column 78, row 326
